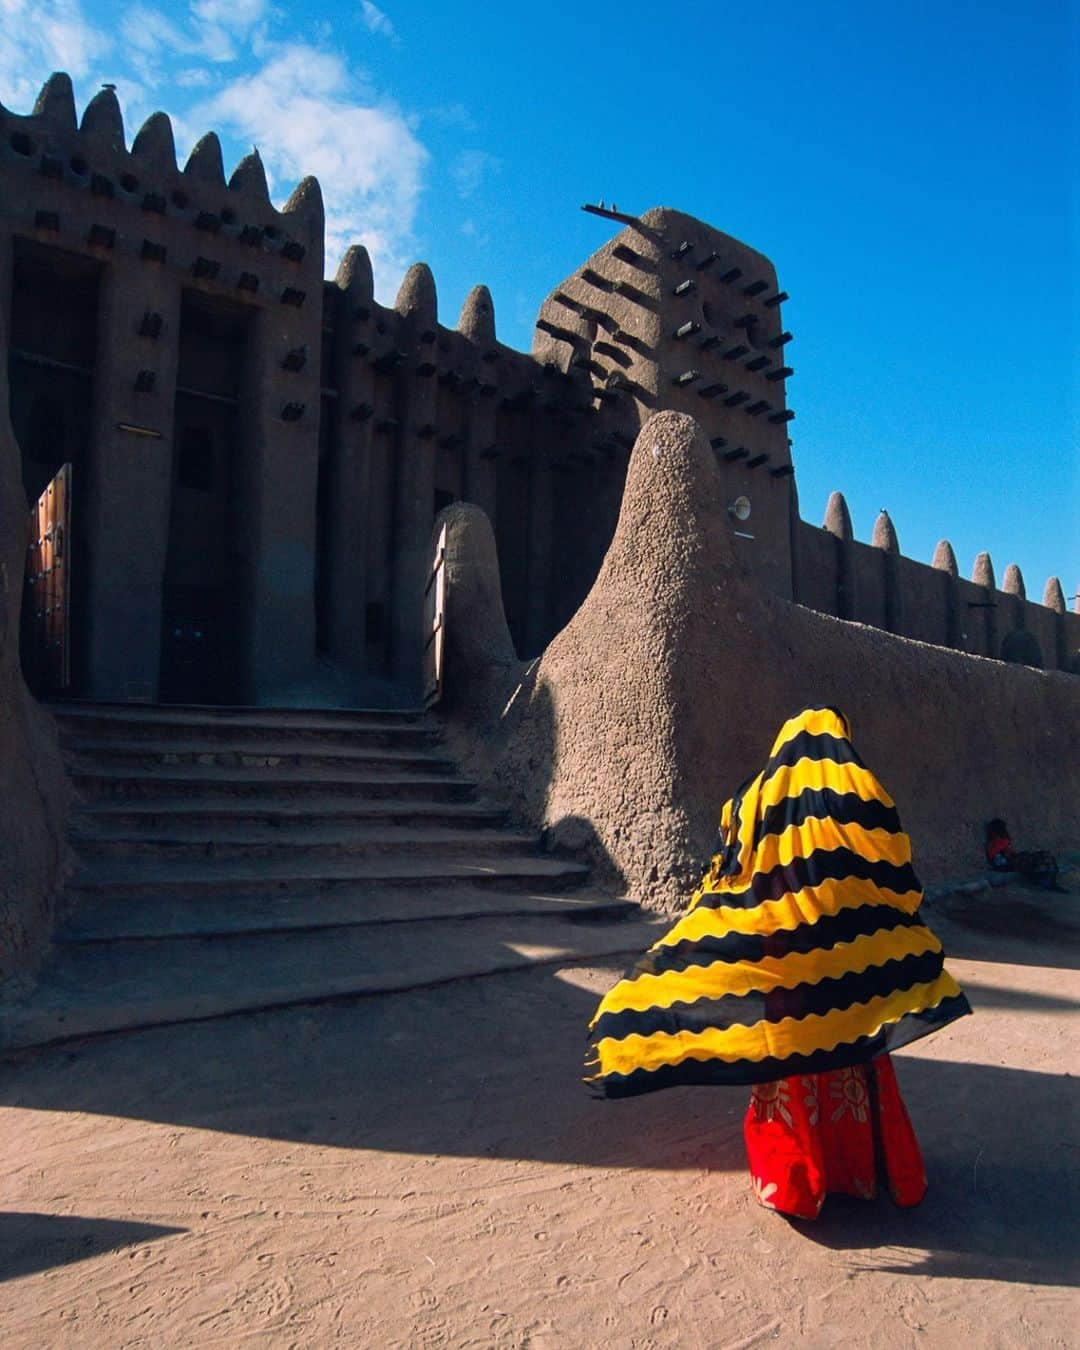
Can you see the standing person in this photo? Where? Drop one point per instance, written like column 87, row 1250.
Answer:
column 799, row 964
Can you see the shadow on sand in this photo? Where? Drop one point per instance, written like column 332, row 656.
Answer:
column 1000, row 1149
column 1024, row 925
column 33, row 1242
column 491, row 1069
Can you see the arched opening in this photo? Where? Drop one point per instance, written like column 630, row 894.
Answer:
column 1021, row 647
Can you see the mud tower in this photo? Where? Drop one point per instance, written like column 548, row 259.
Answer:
column 672, row 314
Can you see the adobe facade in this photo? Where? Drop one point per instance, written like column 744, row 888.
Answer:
column 666, row 689
column 258, row 454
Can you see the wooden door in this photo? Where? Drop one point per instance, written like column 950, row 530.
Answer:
column 48, row 587
column 435, row 623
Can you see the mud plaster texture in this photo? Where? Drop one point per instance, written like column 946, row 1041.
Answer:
column 665, row 690
column 34, row 789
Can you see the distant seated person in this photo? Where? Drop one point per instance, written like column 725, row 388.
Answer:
column 1040, row 867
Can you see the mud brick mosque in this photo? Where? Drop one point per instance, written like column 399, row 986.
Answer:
column 258, row 454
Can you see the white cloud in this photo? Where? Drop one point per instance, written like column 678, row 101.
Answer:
column 38, row 37
column 151, row 38
column 195, row 77
column 221, row 24
column 470, row 169
column 477, row 237
column 307, row 116
column 73, row 42
column 213, row 64
column 150, row 31
column 376, row 20
column 239, row 15
column 216, row 30
column 454, row 115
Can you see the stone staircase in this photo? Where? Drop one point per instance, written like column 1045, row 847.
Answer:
column 233, row 859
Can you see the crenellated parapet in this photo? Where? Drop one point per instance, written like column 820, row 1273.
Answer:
column 876, row 584
column 426, row 414
column 85, row 191
column 944, row 558
column 1054, row 596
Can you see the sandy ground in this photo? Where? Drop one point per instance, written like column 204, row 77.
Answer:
column 426, row 1170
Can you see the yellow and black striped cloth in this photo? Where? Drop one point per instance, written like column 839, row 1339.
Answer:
column 801, row 951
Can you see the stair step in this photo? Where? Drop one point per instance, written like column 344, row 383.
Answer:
column 273, row 876
column 263, row 843
column 285, row 814
column 257, row 754
column 219, row 784
column 233, row 860
column 95, row 988
column 155, row 918
column 168, row 714
column 242, row 732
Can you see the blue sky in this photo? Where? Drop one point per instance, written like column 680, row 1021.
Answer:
column 908, row 168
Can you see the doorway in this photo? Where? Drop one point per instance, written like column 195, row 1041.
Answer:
column 202, row 613
column 51, row 361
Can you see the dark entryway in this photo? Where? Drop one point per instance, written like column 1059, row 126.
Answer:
column 53, row 349
column 1022, row 648
column 323, row 500
column 202, row 605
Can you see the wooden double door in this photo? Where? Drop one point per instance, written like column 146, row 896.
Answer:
column 46, row 629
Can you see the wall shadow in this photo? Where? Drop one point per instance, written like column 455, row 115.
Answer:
column 484, row 1068
column 34, row 1242
column 575, row 839
column 999, row 1147
column 984, row 995
column 1011, row 923
column 526, row 719
column 492, row 1069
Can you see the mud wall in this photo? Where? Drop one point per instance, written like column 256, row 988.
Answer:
column 875, row 584
column 421, row 414
column 157, row 236
column 665, row 690
column 34, row 792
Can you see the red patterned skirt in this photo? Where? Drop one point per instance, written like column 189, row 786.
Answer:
column 835, row 1131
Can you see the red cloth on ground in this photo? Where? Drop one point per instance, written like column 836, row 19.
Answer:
column 998, row 843
column 815, row 1133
